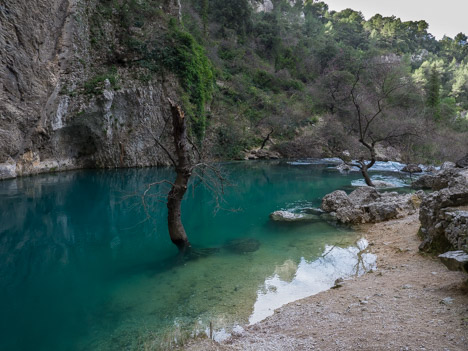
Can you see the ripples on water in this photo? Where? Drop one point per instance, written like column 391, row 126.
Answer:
column 83, row 268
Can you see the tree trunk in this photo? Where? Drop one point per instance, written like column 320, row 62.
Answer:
column 365, row 174
column 266, row 139
column 365, row 167
column 184, row 171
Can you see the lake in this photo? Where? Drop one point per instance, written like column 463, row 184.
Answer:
column 84, row 267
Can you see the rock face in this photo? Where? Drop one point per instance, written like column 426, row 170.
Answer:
column 444, row 213
column 388, row 153
column 56, row 112
column 445, row 178
column 366, row 204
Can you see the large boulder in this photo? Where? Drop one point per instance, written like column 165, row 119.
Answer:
column 455, row 260
column 445, row 178
column 444, row 214
column 463, row 162
column 366, row 204
column 363, row 195
column 335, row 200
column 7, row 170
column 447, row 165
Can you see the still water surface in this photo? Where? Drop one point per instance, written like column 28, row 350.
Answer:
column 82, row 267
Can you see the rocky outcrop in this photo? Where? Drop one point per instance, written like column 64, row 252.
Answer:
column 445, row 178
column 261, row 154
column 455, row 260
column 62, row 107
column 335, row 200
column 366, row 205
column 444, row 213
column 447, row 165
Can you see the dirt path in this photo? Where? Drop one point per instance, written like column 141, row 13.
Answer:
column 401, row 306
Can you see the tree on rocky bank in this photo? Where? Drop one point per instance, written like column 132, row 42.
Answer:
column 376, row 108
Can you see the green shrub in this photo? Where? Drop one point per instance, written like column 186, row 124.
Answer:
column 96, row 85
column 187, row 59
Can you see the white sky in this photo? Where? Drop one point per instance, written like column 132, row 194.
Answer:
column 448, row 17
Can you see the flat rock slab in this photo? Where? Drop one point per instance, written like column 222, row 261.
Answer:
column 286, row 216
column 455, row 260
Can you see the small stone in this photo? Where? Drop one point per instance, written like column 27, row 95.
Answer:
column 407, row 286
column 446, row 301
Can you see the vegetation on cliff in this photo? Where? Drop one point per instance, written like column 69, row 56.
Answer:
column 251, row 74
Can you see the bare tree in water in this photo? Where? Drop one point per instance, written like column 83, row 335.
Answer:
column 187, row 162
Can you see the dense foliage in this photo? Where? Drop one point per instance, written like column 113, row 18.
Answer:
column 151, row 53
column 288, row 69
column 284, row 72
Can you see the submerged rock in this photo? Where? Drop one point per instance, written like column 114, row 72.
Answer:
column 286, row 216
column 242, row 245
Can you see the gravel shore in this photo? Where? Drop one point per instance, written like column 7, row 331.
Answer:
column 411, row 302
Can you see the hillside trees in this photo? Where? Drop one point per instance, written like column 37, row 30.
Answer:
column 290, row 66
column 372, row 110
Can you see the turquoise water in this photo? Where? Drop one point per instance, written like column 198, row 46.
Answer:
column 82, row 266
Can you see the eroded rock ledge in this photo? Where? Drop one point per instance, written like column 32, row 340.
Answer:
column 444, row 213
column 367, row 205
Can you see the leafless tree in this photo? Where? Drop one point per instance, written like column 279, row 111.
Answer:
column 372, row 113
column 188, row 163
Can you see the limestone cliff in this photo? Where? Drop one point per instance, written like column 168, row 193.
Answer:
column 65, row 101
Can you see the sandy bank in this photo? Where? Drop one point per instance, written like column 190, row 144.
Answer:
column 412, row 302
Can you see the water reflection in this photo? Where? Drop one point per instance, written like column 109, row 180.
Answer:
column 292, row 282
